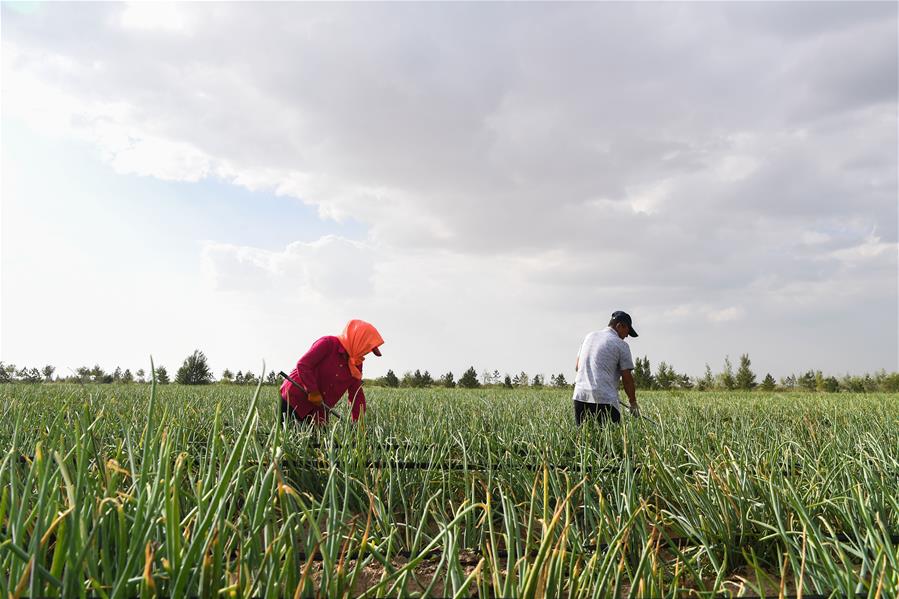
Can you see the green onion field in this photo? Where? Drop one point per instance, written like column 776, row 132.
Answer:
column 127, row 490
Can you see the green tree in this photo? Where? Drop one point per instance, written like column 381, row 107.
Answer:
column 271, row 378
column 830, row 384
column 807, row 381
column 469, row 379
column 869, row 383
column 727, row 375
column 127, row 377
column 140, row 375
column 745, row 378
column 665, row 376
column 195, row 370
column 426, row 379
column 390, row 380
column 819, row 381
column 7, row 372
column 447, row 380
column 117, row 374
column 853, row 384
column 84, row 374
column 768, row 383
column 238, row 378
column 410, row 379
column 98, row 375
column 162, row 375
column 48, row 373
column 890, row 383
column 227, row 376
column 560, row 380
column 538, row 381
column 643, row 378
column 30, row 375
column 507, row 382
column 707, row 381
column 684, row 381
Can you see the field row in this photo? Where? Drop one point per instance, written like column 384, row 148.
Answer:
column 116, row 491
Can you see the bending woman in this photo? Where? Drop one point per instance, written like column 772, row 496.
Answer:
column 331, row 367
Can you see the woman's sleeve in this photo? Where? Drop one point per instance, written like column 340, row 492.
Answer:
column 312, row 358
column 356, row 397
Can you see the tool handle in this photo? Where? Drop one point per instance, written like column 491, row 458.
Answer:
column 296, row 384
column 640, row 416
column 322, row 405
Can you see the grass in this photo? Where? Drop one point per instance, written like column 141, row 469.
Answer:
column 119, row 491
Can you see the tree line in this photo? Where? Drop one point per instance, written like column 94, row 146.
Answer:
column 469, row 380
column 195, row 370
column 744, row 378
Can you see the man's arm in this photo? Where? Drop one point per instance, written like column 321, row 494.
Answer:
column 627, row 380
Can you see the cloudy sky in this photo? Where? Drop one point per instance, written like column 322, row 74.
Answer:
column 485, row 183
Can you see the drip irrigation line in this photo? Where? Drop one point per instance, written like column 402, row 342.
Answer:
column 322, row 465
column 679, row 542
column 319, row 464
column 721, row 595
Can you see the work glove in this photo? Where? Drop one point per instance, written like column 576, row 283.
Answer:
column 315, row 398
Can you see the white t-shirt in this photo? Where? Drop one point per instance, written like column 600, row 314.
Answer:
column 602, row 357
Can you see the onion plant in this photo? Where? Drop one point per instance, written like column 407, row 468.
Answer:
column 119, row 491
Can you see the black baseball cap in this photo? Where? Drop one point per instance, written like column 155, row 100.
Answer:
column 619, row 316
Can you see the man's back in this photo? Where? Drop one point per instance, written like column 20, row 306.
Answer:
column 602, row 357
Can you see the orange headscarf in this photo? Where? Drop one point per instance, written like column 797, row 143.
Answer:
column 359, row 338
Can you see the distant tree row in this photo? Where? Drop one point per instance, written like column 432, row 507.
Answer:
column 9, row 373
column 666, row 377
column 247, row 378
column 195, row 371
column 468, row 380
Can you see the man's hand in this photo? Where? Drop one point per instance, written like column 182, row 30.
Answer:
column 635, row 409
column 315, row 399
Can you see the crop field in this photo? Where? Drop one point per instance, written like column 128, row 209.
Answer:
column 124, row 491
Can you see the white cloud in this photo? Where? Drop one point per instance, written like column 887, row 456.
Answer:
column 814, row 237
column 151, row 16
column 871, row 248
column 726, row 314
column 559, row 159
column 330, row 268
column 160, row 158
column 648, row 199
column 734, row 168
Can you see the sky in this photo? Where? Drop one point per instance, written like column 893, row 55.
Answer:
column 486, row 183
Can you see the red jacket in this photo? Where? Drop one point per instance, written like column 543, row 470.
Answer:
column 324, row 368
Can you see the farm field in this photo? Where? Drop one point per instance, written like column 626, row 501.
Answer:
column 119, row 491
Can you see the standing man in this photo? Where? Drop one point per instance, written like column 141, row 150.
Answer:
column 603, row 359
